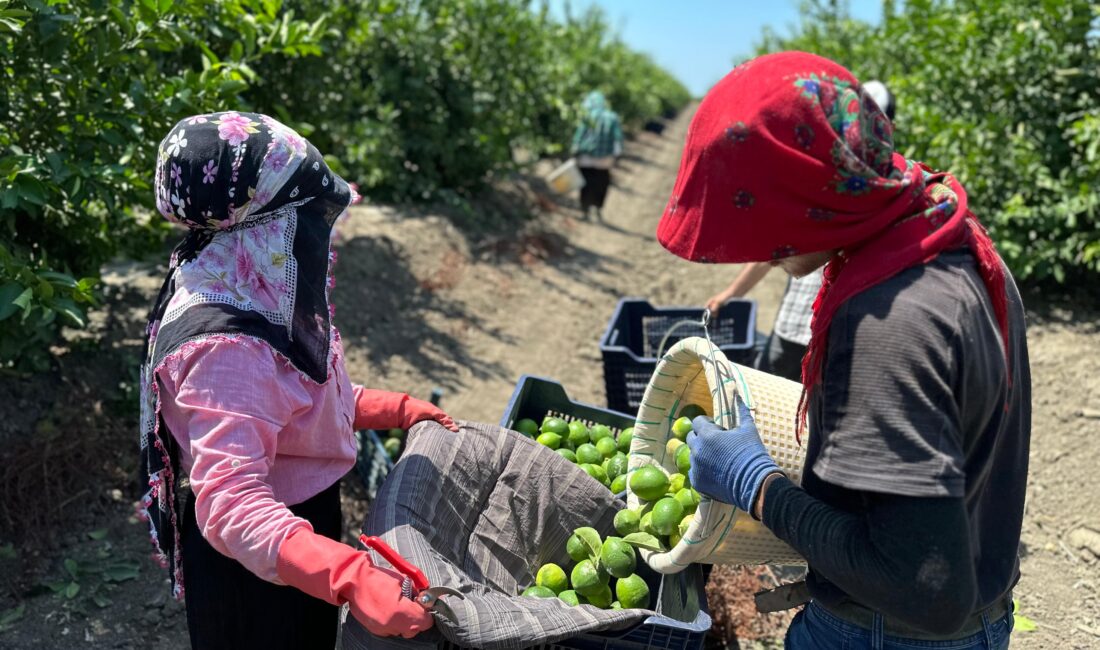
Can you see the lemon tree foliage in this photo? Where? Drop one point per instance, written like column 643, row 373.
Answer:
column 416, row 100
column 1003, row 93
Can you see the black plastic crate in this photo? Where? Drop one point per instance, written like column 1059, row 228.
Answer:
column 537, row 397
column 639, row 333
column 682, row 619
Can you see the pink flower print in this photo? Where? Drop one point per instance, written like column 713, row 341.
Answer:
column 197, row 119
column 234, row 128
column 176, row 174
column 209, row 172
column 278, row 155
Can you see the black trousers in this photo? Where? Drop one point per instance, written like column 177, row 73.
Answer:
column 596, row 182
column 229, row 607
column 782, row 357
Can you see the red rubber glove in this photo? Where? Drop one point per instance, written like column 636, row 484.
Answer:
column 337, row 574
column 380, row 409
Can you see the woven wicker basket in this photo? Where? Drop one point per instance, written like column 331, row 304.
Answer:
column 696, row 372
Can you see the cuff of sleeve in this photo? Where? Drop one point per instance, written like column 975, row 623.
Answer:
column 379, row 409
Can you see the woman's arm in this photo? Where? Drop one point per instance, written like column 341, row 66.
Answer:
column 909, row 556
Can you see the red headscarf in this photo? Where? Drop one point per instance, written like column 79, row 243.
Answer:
column 788, row 155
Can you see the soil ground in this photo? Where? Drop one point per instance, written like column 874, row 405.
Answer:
column 422, row 304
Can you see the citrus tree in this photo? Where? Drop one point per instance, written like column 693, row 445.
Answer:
column 1001, row 93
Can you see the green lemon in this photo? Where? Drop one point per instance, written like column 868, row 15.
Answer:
column 587, row 579
column 567, row 455
column 570, row 597
column 689, row 499
column 618, row 557
column 555, row 425
column 606, row 447
column 616, row 605
column 626, row 521
column 528, row 427
column 681, row 428
column 392, row 447
column 596, row 472
column 675, row 483
column 588, row 453
column 576, row 548
column 551, row 440
column 617, row 465
column 645, row 525
column 552, row 577
column 618, row 484
column 683, row 460
column 648, row 483
column 633, row 592
column 601, row 597
column 598, row 432
column 685, row 523
column 539, row 592
column 673, row 445
column 667, row 514
column 578, row 433
column 674, row 539
column 625, row 438
column 396, row 433
column 692, row 411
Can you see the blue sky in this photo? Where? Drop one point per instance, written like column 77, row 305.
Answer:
column 697, row 40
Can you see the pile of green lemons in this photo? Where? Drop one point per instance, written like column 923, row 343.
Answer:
column 594, row 449
column 590, row 582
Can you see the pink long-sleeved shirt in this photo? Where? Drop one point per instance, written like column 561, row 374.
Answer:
column 256, row 435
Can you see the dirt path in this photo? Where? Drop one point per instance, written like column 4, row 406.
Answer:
column 420, row 307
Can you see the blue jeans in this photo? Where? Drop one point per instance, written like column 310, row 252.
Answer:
column 816, row 629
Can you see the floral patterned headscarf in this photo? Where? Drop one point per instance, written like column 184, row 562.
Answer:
column 260, row 203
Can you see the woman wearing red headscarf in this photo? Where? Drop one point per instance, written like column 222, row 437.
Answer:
column 918, row 390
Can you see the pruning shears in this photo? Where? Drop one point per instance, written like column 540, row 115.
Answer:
column 415, row 586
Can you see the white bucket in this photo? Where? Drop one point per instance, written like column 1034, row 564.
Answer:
column 566, row 178
column 696, row 372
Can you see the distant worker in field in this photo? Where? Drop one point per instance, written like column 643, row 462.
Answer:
column 244, row 390
column 782, row 355
column 597, row 143
column 918, row 388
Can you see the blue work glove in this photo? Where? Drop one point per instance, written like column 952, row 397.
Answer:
column 729, row 466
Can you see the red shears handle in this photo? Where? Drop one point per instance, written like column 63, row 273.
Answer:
column 403, row 566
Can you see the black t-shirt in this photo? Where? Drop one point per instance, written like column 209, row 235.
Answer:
column 916, row 401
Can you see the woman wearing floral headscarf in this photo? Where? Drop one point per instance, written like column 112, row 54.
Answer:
column 244, row 390
column 597, row 142
column 916, row 373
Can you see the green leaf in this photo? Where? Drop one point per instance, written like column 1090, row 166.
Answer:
column 13, row 297
column 10, row 616
column 120, row 572
column 72, row 590
column 60, row 279
column 67, row 308
column 1021, row 622
column 100, row 600
column 644, row 540
column 591, row 540
column 71, row 568
column 164, row 5
column 97, row 534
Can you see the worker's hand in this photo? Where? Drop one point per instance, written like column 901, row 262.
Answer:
column 337, row 574
column 417, row 410
column 715, row 302
column 729, row 465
